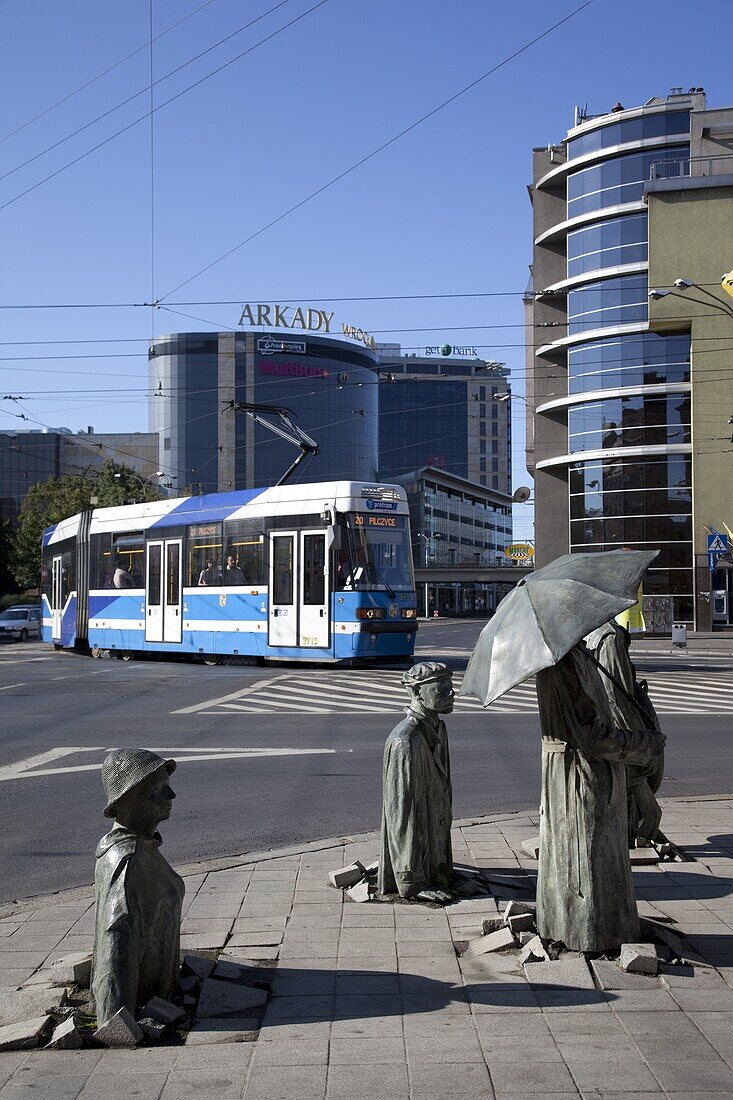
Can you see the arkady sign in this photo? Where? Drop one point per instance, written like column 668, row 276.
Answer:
column 304, row 318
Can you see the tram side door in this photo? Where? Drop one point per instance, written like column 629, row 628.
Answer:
column 313, row 617
column 154, row 592
column 163, row 611
column 282, row 626
column 57, row 595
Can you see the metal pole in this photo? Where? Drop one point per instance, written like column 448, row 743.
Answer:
column 426, row 599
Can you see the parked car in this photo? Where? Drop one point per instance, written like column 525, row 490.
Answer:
column 21, row 623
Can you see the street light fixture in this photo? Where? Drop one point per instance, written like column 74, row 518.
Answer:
column 685, row 284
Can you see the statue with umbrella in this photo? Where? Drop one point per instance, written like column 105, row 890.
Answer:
column 585, row 893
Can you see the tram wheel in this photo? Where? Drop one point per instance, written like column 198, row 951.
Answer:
column 96, row 652
column 126, row 655
column 212, row 659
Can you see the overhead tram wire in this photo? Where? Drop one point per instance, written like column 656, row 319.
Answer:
column 152, row 191
column 136, row 95
column 109, row 69
column 165, row 103
column 385, row 145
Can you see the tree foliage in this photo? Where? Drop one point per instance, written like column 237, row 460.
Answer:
column 50, row 501
column 7, row 580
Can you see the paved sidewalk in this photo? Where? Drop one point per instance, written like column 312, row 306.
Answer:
column 371, row 1000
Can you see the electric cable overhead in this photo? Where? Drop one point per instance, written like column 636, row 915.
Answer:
column 109, row 69
column 385, row 145
column 165, row 103
column 142, row 91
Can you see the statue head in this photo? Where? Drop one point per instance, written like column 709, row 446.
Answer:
column 431, row 684
column 137, row 788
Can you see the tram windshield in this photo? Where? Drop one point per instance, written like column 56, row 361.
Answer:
column 375, row 554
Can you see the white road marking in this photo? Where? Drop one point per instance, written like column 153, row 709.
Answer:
column 233, row 695
column 31, row 767
column 7, row 687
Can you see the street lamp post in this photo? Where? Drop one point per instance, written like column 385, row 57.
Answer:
column 145, row 482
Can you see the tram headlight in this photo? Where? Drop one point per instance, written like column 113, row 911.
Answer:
column 371, row 613
column 408, row 612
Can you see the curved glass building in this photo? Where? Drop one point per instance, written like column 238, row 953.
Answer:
column 329, row 384
column 610, row 416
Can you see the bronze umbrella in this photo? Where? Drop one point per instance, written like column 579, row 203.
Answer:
column 547, row 613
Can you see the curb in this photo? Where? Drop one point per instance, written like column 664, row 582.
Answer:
column 225, row 863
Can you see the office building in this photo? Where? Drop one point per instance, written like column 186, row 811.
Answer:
column 27, row 458
column 328, row 383
column 619, row 403
column 440, row 409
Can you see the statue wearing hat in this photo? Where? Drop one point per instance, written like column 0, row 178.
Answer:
column 139, row 895
column 417, row 814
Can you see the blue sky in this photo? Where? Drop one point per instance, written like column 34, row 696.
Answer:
column 442, row 211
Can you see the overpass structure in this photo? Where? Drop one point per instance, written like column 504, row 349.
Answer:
column 464, row 590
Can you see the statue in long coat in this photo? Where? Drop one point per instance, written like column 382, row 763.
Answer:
column 139, row 895
column 631, row 709
column 585, row 893
column 417, row 813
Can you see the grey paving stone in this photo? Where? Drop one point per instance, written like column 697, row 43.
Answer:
column 497, row 998
column 531, row 1076
column 707, row 1075
column 299, row 1008
column 603, row 1070
column 704, row 1000
column 292, row 1052
column 518, row 1045
column 198, row 1084
column 678, row 1033
column 364, row 1052
column 716, row 1027
column 632, row 1000
column 609, row 975
column 148, row 1087
column 25, row 1034
column 286, row 1082
column 421, row 1003
column 230, row 1056
column 9, row 1063
column 230, row 1029
column 435, row 1082
column 347, row 1083
column 460, row 1047
column 690, row 977
column 568, row 973
column 33, row 1086
column 314, row 1030
column 24, row 1004
column 136, row 1063
column 222, row 998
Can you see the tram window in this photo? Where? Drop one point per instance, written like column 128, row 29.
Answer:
column 314, row 581
column 204, row 555
column 244, row 553
column 282, row 570
column 173, row 575
column 99, row 561
column 67, row 576
column 116, row 561
column 154, row 561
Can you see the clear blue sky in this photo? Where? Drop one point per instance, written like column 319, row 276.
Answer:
column 444, row 210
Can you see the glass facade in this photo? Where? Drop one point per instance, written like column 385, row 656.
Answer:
column 642, row 128
column 630, row 421
column 607, row 244
column 615, row 181
column 644, row 500
column 636, row 359
column 607, row 302
column 423, row 424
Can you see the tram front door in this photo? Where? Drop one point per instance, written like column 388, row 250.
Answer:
column 57, row 598
column 163, row 611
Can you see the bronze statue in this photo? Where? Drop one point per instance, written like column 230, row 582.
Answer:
column 585, row 892
column 631, row 709
column 417, row 815
column 139, row 895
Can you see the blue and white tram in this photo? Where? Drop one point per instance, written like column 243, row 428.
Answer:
column 319, row 572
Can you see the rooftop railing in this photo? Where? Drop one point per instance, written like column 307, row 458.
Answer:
column 692, row 166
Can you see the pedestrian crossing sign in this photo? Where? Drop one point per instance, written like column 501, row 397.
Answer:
column 717, row 546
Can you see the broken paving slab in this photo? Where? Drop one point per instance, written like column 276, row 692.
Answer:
column 347, row 876
column 24, row 1035
column 533, row 951
column 229, row 1029
column 518, row 908
column 639, row 958
column 531, row 847
column 609, row 976
column 121, row 1030
column 641, row 856
column 73, row 969
column 689, row 976
column 521, row 922
column 199, row 965
column 26, row 1004
column 494, row 941
column 359, row 892
column 162, row 1011
column 225, row 998
column 568, row 972
column 66, row 1036
column 152, row 1029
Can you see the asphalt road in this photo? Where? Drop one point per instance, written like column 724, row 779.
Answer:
column 60, row 713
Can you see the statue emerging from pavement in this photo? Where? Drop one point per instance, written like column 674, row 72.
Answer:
column 417, row 815
column 631, row 709
column 139, row 895
column 585, row 892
